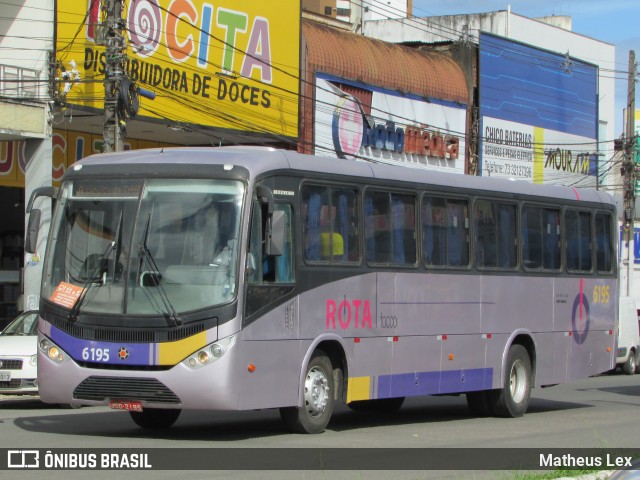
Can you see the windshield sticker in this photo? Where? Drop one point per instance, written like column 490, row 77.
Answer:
column 66, row 294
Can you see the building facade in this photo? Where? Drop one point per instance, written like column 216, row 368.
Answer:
column 25, row 141
column 550, row 40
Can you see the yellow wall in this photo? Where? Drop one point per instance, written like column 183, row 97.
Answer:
column 12, row 164
column 69, row 147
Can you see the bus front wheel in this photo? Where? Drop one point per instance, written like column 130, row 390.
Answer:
column 155, row 417
column 318, row 398
column 512, row 399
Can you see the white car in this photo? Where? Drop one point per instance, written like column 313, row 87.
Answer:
column 18, row 355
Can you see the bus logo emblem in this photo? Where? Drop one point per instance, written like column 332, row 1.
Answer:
column 123, row 353
column 580, row 318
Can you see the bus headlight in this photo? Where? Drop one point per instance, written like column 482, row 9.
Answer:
column 51, row 350
column 210, row 353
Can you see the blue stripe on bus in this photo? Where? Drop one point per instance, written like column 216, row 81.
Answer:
column 103, row 352
column 432, row 383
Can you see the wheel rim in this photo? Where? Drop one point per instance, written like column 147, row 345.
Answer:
column 518, row 381
column 316, row 391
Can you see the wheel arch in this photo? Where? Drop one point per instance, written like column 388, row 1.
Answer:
column 525, row 339
column 334, row 347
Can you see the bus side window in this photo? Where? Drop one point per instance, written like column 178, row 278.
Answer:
column 254, row 267
column 265, row 269
column 541, row 238
column 578, row 246
column 485, row 233
column 551, row 247
column 604, row 252
column 445, row 235
column 434, row 230
column 507, row 236
column 531, row 237
column 284, row 263
column 390, row 228
column 330, row 224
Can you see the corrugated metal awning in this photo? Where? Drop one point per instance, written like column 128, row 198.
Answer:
column 386, row 65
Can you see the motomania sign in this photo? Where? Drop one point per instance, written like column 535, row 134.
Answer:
column 398, row 130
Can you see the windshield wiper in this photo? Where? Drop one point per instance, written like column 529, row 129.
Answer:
column 101, row 269
column 97, row 273
column 145, row 254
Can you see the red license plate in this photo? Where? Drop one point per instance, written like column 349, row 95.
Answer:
column 129, row 406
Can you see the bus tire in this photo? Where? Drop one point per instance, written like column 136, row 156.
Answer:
column 629, row 367
column 479, row 403
column 155, row 418
column 380, row 405
column 318, row 398
column 512, row 399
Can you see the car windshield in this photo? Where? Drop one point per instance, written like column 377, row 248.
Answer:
column 144, row 247
column 25, row 324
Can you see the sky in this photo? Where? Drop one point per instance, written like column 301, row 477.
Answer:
column 613, row 21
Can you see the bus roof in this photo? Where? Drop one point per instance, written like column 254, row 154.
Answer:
column 271, row 159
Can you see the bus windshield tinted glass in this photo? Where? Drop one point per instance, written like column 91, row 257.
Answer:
column 156, row 247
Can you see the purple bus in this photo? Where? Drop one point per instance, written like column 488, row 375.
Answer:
column 250, row 278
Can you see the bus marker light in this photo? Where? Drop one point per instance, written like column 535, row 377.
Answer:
column 54, row 353
column 451, row 356
column 192, row 362
column 395, row 339
column 216, row 350
column 608, row 349
column 203, row 357
column 356, row 340
column 251, row 368
column 486, row 336
column 442, row 337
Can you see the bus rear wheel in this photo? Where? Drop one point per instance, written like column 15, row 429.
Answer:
column 512, row 399
column 318, row 398
column 155, row 417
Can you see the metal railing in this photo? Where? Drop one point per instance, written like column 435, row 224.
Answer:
column 18, row 82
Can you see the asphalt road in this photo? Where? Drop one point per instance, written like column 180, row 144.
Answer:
column 600, row 412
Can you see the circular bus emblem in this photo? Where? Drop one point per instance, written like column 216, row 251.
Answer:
column 580, row 318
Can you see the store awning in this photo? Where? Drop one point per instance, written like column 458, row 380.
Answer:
column 386, row 65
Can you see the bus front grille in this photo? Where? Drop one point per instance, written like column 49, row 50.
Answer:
column 103, row 388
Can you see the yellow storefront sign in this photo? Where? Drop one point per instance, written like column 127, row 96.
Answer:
column 12, row 163
column 232, row 64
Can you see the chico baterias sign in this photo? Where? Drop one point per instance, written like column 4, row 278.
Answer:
column 232, row 64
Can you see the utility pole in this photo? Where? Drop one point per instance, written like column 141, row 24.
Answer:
column 115, row 43
column 628, row 169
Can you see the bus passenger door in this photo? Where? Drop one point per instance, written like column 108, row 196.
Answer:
column 271, row 316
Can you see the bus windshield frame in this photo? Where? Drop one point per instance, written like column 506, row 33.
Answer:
column 144, row 247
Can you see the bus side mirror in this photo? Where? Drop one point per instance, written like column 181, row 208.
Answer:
column 274, row 235
column 31, row 237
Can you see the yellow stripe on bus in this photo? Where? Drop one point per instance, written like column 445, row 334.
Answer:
column 171, row 353
column 359, row 388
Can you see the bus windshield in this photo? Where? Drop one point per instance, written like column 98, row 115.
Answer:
column 144, row 247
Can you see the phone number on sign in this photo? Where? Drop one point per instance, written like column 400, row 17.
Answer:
column 515, row 170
